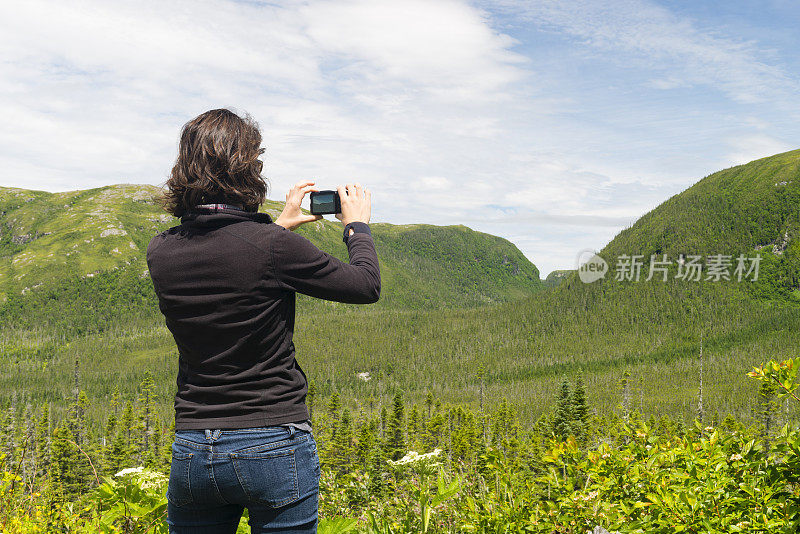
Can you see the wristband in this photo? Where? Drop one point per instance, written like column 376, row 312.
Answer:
column 357, row 227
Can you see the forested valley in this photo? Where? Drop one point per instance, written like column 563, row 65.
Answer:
column 473, row 398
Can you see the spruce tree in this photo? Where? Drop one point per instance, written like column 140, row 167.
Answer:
column 429, row 403
column 42, row 450
column 72, row 473
column 434, row 431
column 384, row 422
column 365, row 443
column 334, row 407
column 343, row 442
column 9, row 444
column 156, row 449
column 413, row 427
column 580, row 413
column 145, row 419
column 310, row 397
column 377, row 475
column 120, row 454
column 562, row 422
column 395, row 440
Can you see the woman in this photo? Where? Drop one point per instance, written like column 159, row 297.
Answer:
column 226, row 279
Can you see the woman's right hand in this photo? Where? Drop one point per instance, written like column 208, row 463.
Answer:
column 356, row 204
column 292, row 216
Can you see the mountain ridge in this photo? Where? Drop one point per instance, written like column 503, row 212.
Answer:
column 47, row 238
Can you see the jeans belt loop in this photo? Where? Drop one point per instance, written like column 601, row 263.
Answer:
column 291, row 431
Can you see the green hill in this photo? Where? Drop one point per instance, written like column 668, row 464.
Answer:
column 59, row 252
column 517, row 349
column 556, row 277
column 748, row 209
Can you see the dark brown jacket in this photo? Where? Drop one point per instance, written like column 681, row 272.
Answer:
column 226, row 282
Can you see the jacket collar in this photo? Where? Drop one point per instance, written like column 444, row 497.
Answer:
column 221, row 217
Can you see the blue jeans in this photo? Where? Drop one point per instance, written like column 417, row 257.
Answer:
column 216, row 474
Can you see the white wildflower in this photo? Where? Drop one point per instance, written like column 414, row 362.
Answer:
column 364, row 376
column 144, row 478
column 129, row 471
column 413, row 457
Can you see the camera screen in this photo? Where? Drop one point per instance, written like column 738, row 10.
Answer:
column 325, row 201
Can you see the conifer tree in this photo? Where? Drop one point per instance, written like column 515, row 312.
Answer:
column 580, row 412
column 42, row 450
column 72, row 473
column 310, row 397
column 377, row 475
column 395, row 440
column 145, row 419
column 429, row 403
column 334, row 407
column 366, row 442
column 28, row 466
column 413, row 427
column 9, row 445
column 78, row 424
column 384, row 422
column 120, row 453
column 465, row 434
column 156, row 449
column 434, row 431
column 343, row 442
column 563, row 420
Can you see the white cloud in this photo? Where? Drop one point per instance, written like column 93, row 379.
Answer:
column 756, row 146
column 99, row 91
column 662, row 41
column 425, row 101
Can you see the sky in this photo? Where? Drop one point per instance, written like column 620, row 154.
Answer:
column 554, row 124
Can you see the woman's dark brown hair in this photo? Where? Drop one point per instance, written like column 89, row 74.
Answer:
column 217, row 162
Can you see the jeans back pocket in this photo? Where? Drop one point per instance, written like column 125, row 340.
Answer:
column 179, row 491
column 268, row 478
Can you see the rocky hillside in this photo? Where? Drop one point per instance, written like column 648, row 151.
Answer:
column 51, row 243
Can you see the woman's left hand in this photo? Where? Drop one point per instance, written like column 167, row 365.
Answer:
column 292, row 216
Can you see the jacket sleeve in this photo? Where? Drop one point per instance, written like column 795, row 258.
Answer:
column 302, row 267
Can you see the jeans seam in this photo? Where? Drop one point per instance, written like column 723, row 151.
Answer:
column 214, row 480
column 192, row 444
column 188, row 460
column 255, row 449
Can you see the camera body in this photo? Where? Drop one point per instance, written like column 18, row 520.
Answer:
column 325, row 202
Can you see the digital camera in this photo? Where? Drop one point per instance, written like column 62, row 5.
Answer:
column 325, row 202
